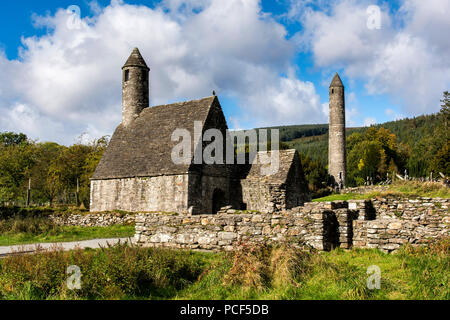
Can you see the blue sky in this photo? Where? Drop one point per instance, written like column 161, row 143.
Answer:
column 269, row 61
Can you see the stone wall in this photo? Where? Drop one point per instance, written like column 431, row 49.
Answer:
column 93, row 219
column 397, row 222
column 385, row 224
column 201, row 192
column 263, row 197
column 365, row 189
column 161, row 193
column 223, row 231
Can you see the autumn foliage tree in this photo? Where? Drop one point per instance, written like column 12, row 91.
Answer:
column 374, row 154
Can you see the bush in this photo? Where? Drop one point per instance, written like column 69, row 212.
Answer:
column 28, row 225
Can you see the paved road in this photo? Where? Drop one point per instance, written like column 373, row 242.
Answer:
column 30, row 248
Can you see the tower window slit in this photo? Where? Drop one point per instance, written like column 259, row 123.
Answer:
column 127, row 75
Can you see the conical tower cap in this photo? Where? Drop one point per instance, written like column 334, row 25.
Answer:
column 136, row 60
column 336, row 82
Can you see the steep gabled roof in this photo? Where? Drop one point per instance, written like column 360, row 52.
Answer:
column 135, row 60
column 144, row 147
column 286, row 159
column 336, row 82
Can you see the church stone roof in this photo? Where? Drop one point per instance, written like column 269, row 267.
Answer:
column 144, row 147
column 336, row 82
column 135, row 60
column 286, row 159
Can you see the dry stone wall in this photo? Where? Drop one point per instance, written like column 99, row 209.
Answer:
column 223, row 231
column 385, row 224
column 398, row 222
column 93, row 219
column 263, row 197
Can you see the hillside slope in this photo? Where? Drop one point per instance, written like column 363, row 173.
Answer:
column 312, row 140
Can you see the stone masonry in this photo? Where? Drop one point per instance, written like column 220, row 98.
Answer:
column 135, row 87
column 138, row 172
column 337, row 164
column 385, row 224
column 93, row 219
column 398, row 222
column 161, row 193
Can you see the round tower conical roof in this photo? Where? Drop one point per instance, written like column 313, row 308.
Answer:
column 336, row 82
column 136, row 60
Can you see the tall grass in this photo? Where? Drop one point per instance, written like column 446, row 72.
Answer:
column 249, row 272
column 285, row 272
column 110, row 273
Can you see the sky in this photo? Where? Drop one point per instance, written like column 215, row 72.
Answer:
column 270, row 62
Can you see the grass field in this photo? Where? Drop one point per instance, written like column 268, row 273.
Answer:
column 123, row 272
column 39, row 229
column 409, row 189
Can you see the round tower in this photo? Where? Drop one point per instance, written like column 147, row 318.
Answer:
column 135, row 87
column 337, row 164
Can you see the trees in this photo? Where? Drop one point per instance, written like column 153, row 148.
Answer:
column 16, row 160
column 431, row 152
column 441, row 159
column 315, row 173
column 98, row 147
column 45, row 185
column 53, row 169
column 373, row 153
column 68, row 168
column 11, row 138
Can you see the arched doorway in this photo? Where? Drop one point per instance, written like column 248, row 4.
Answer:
column 218, row 200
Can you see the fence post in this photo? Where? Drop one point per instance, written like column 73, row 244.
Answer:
column 29, row 192
column 77, row 199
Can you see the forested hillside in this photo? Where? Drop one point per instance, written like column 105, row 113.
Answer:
column 312, row 140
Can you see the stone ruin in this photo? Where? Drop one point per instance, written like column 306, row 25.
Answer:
column 385, row 224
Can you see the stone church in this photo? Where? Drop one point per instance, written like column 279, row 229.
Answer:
column 137, row 173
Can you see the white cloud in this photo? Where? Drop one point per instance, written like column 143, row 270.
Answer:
column 369, row 121
column 26, row 119
column 394, row 115
column 70, row 78
column 286, row 100
column 408, row 58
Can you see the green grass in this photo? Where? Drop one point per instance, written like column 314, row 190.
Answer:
column 66, row 234
column 420, row 189
column 348, row 196
column 336, row 275
column 282, row 272
column 410, row 189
